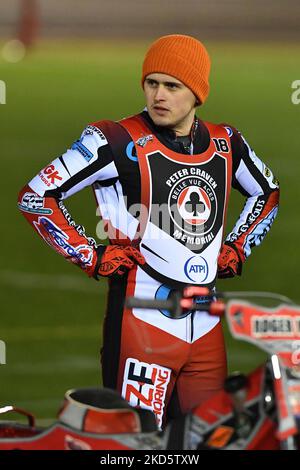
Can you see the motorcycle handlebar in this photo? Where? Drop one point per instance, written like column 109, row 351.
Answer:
column 177, row 305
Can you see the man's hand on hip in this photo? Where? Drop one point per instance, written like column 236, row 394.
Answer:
column 116, row 260
column 229, row 262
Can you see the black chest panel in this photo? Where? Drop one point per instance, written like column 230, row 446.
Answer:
column 187, row 201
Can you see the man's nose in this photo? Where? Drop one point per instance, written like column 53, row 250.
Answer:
column 160, row 93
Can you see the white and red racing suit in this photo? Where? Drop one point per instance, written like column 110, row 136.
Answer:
column 139, row 171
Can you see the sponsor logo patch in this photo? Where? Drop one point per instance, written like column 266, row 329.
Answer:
column 142, row 141
column 131, row 152
column 91, row 129
column 83, row 150
column 229, row 131
column 145, row 386
column 196, row 269
column 277, row 326
column 79, row 228
column 33, row 203
column 49, row 175
column 251, row 218
column 192, row 201
column 58, row 239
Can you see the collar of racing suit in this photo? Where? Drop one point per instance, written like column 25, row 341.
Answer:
column 195, row 143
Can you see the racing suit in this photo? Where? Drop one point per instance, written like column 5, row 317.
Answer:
column 168, row 196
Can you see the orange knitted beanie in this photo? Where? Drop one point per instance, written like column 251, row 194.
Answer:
column 182, row 57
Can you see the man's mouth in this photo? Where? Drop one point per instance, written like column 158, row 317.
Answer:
column 160, row 109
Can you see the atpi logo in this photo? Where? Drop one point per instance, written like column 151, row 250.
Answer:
column 196, row 269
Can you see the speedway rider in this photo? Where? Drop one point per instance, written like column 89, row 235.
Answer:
column 164, row 159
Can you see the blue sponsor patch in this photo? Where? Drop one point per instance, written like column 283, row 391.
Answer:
column 196, row 269
column 163, row 293
column 129, row 152
column 85, row 152
column 229, row 131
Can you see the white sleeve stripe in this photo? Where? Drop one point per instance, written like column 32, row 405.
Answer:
column 105, row 173
column 247, row 180
column 248, row 209
column 257, row 162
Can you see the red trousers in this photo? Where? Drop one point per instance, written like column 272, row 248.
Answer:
column 158, row 371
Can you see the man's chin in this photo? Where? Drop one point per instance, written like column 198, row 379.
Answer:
column 162, row 121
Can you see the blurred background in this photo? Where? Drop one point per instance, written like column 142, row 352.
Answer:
column 66, row 63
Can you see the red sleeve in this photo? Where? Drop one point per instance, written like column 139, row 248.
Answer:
column 53, row 223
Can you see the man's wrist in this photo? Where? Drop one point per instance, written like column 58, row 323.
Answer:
column 240, row 254
column 100, row 249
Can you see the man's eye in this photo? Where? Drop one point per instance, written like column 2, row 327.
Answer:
column 173, row 86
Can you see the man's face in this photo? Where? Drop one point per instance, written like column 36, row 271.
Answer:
column 169, row 102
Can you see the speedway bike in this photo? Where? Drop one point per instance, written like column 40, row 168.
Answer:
column 257, row 411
